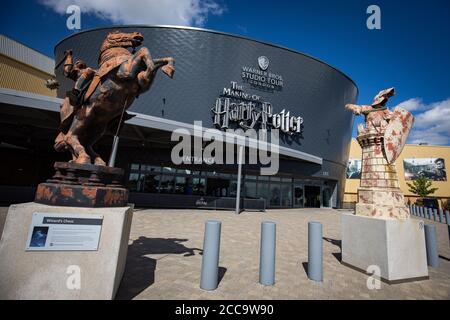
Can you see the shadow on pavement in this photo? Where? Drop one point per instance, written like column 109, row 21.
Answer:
column 337, row 243
column 140, row 270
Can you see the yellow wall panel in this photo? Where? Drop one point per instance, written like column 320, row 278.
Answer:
column 19, row 76
column 410, row 151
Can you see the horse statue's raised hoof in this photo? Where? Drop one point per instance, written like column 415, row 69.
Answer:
column 168, row 70
column 99, row 162
column 83, row 159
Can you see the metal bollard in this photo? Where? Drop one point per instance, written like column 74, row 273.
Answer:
column 436, row 216
column 441, row 216
column 430, row 212
column 431, row 245
column 421, row 212
column 425, row 210
column 415, row 210
column 210, row 262
column 267, row 253
column 315, row 266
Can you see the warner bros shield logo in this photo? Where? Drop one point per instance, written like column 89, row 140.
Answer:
column 263, row 62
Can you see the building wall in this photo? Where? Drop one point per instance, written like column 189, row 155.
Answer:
column 24, row 69
column 409, row 151
column 19, row 76
column 206, row 62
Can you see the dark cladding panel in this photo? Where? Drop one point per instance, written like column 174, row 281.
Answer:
column 206, row 63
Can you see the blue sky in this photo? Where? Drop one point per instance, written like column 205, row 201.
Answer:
column 411, row 51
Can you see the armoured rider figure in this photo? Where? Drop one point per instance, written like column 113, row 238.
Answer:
column 81, row 74
column 377, row 115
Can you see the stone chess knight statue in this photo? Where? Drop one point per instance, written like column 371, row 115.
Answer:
column 382, row 139
column 100, row 97
column 97, row 104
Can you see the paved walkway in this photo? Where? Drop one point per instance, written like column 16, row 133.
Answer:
column 164, row 259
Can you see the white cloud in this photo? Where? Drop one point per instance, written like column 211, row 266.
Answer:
column 412, row 104
column 432, row 121
column 173, row 12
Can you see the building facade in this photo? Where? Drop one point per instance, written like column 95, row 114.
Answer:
column 215, row 72
column 415, row 160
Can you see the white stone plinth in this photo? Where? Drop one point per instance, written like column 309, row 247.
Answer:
column 396, row 246
column 43, row 274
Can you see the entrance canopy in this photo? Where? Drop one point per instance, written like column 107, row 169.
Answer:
column 136, row 128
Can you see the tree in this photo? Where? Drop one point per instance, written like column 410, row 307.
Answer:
column 421, row 186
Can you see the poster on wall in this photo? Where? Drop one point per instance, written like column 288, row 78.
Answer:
column 432, row 168
column 354, row 169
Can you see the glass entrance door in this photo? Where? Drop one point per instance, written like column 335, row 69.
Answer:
column 312, row 196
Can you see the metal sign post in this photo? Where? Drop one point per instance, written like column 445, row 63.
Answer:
column 238, row 191
column 112, row 158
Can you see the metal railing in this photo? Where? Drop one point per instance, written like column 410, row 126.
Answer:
column 437, row 215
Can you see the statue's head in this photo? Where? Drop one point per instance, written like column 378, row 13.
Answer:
column 122, row 39
column 80, row 64
column 382, row 97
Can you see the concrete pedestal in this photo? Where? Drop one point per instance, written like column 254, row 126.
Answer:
column 397, row 247
column 45, row 274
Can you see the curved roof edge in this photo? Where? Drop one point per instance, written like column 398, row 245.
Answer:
column 216, row 32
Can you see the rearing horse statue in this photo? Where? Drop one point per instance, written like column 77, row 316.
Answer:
column 120, row 78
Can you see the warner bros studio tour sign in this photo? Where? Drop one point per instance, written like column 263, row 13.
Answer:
column 249, row 111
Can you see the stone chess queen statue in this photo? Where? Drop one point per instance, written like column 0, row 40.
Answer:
column 382, row 139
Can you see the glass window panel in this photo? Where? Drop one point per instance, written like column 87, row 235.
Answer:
column 274, row 193
column 275, row 179
column 133, row 181
column 140, row 184
column 250, row 189
column 150, row 168
column 263, row 178
column 263, row 191
column 183, row 171
column 248, row 177
column 180, row 185
column 298, row 196
column 211, row 173
column 286, row 179
column 326, row 197
column 135, row 166
column 151, row 183
column 286, row 193
column 168, row 170
column 233, row 189
column 167, row 184
column 199, row 186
